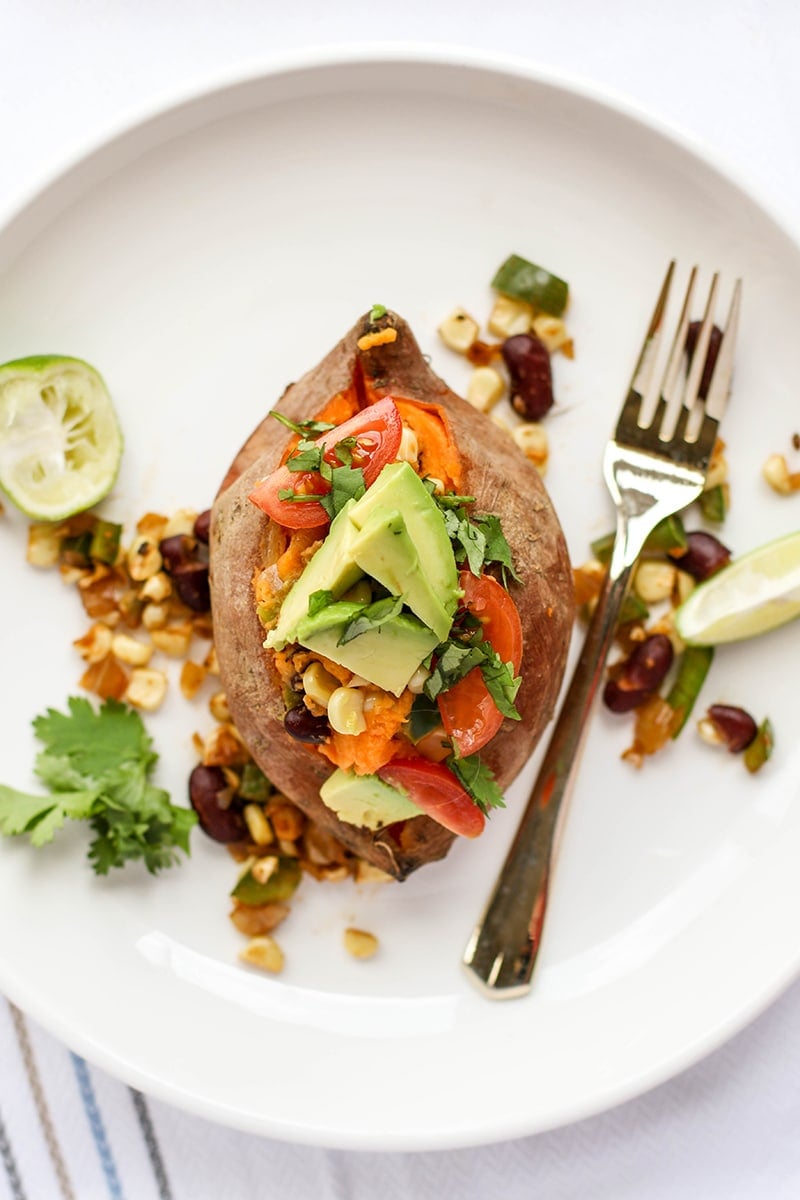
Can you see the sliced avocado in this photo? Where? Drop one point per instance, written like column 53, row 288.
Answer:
column 387, row 656
column 332, row 569
column 385, row 550
column 366, row 800
column 399, row 488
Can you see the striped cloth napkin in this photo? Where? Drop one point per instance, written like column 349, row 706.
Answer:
column 724, row 1130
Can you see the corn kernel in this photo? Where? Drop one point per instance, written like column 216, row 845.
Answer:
column 192, row 676
column 173, row 639
column 654, row 581
column 44, row 546
column 158, row 587
column 346, row 711
column 509, row 317
column 409, row 447
column 146, row 688
column 531, row 437
column 143, row 560
column 218, row 707
column 485, row 388
column 319, row 684
column 418, row 680
column 181, row 521
column 95, row 644
column 551, row 330
column 263, row 952
column 360, row 944
column 458, row 331
column 777, row 474
column 130, row 650
column 154, row 616
column 259, row 829
column 223, row 747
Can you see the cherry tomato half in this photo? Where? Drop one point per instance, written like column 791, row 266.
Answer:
column 469, row 714
column 377, row 431
column 437, row 792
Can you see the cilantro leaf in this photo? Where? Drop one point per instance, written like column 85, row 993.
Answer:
column 303, row 428
column 96, row 764
column 496, row 548
column 319, row 600
column 347, row 483
column 377, row 311
column 371, row 616
column 456, row 657
column 477, row 779
column 307, row 456
column 423, row 718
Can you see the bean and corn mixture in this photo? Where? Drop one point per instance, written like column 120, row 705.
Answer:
column 527, row 319
column 148, row 602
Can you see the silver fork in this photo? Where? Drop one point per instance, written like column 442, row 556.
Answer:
column 652, row 470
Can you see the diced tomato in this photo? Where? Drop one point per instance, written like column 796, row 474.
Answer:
column 437, row 792
column 469, row 714
column 377, row 430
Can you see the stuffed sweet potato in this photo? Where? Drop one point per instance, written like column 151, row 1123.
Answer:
column 256, row 559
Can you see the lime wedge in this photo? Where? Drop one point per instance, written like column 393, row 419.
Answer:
column 60, row 441
column 753, row 594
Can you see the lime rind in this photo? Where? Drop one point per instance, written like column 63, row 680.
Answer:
column 756, row 593
column 60, row 440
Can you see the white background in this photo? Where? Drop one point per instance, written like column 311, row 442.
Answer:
column 726, row 72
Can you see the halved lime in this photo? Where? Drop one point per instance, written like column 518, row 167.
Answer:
column 753, row 594
column 60, row 440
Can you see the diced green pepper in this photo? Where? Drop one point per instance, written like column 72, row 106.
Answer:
column 105, row 539
column 254, row 784
column 526, row 281
column 760, row 749
column 669, row 535
column 633, row 609
column 75, row 550
column 280, row 885
column 714, row 503
column 692, row 671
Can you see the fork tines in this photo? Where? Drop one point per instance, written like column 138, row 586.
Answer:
column 689, row 407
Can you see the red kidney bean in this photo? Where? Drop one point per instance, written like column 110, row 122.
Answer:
column 641, row 674
column 202, row 526
column 210, row 795
column 303, row 726
column 191, row 584
column 177, row 550
column 714, row 344
column 735, row 726
column 528, row 364
column 705, row 555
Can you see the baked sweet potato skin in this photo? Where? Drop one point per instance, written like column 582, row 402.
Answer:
column 502, row 481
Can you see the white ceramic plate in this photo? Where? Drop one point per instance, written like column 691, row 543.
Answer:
column 202, row 260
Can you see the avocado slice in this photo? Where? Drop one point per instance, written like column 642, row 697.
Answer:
column 332, row 569
column 366, row 800
column 385, row 550
column 399, row 488
column 387, row 656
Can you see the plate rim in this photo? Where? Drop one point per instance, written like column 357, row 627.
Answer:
column 407, row 54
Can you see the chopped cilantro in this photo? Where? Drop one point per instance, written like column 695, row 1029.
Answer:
column 423, row 718
column 477, row 540
column 347, row 483
column 371, row 616
column 477, row 779
column 377, row 311
column 459, row 655
column 306, row 457
column 303, row 428
column 96, row 765
column 319, row 600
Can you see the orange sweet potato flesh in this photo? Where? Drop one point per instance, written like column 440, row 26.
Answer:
column 244, row 540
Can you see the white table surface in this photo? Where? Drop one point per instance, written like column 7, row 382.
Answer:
column 725, row 71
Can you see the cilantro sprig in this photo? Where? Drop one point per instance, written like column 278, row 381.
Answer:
column 96, row 764
column 477, row 780
column 455, row 658
column 477, row 538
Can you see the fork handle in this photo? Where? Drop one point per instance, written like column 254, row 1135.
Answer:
column 504, row 944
